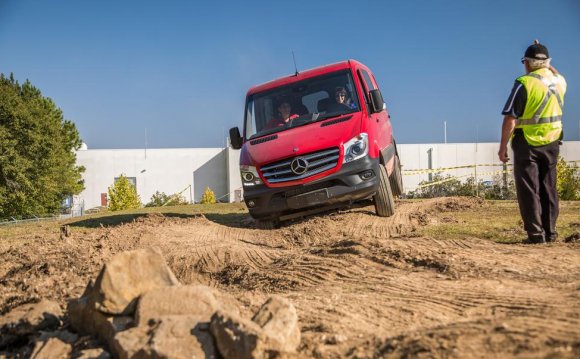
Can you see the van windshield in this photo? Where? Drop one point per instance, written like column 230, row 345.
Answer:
column 300, row 103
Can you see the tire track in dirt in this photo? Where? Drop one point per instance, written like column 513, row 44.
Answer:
column 348, row 252
column 355, row 276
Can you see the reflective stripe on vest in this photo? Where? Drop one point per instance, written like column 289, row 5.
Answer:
column 542, row 118
column 533, row 121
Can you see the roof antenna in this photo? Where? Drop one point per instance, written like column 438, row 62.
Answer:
column 295, row 67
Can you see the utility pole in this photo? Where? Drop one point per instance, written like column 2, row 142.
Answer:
column 430, row 163
column 445, row 130
column 476, row 140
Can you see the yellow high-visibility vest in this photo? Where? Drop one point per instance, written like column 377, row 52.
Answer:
column 541, row 121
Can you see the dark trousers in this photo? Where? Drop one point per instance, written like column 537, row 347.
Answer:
column 535, row 178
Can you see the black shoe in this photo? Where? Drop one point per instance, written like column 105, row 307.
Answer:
column 551, row 238
column 534, row 240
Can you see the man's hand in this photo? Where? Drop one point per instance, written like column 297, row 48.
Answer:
column 503, row 154
column 507, row 128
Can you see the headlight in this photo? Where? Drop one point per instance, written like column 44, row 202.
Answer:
column 249, row 175
column 357, row 147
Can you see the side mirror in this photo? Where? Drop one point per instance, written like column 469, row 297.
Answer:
column 377, row 102
column 236, row 139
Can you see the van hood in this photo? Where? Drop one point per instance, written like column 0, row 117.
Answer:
column 300, row 140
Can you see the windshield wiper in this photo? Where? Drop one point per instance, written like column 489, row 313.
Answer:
column 301, row 121
column 331, row 115
column 267, row 132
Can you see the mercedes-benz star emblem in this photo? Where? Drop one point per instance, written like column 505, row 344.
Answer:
column 299, row 165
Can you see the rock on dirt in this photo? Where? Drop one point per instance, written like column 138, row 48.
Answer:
column 126, row 277
column 272, row 331
column 51, row 348
column 197, row 300
column 167, row 337
column 89, row 321
column 239, row 338
column 28, row 319
column 96, row 353
column 279, row 319
column 173, row 321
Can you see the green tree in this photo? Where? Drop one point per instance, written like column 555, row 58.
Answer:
column 123, row 195
column 208, row 196
column 37, row 159
column 568, row 181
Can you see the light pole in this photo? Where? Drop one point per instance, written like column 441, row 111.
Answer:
column 445, row 130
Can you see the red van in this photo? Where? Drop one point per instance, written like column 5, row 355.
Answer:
column 318, row 139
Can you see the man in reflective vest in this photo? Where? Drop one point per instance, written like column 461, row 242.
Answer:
column 533, row 120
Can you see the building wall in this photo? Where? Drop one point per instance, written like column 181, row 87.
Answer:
column 165, row 170
column 234, row 179
column 415, row 156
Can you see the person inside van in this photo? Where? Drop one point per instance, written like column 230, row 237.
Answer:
column 343, row 101
column 285, row 115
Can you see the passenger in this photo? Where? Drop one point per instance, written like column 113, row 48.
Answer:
column 343, row 101
column 284, row 115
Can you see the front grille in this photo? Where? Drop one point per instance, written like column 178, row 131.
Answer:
column 318, row 162
column 308, row 188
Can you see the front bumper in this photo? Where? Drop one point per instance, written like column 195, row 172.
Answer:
column 345, row 186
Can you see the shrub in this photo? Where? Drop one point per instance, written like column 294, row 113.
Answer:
column 568, row 181
column 447, row 186
column 161, row 199
column 208, row 196
column 500, row 190
column 123, row 195
column 450, row 186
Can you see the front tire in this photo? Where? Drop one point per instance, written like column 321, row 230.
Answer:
column 396, row 179
column 268, row 224
column 384, row 202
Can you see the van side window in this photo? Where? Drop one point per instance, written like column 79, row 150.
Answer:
column 368, row 81
column 365, row 90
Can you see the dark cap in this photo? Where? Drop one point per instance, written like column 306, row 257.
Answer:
column 537, row 51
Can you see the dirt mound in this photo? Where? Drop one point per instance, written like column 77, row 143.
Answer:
column 450, row 204
column 363, row 286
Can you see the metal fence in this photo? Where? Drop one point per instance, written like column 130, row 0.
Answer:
column 76, row 211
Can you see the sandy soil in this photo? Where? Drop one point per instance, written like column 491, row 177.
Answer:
column 364, row 286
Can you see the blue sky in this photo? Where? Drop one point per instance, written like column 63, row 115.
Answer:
column 179, row 70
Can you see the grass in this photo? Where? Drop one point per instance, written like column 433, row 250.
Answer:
column 499, row 221
column 223, row 213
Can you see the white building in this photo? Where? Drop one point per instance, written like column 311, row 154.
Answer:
column 191, row 170
column 416, row 156
column 171, row 170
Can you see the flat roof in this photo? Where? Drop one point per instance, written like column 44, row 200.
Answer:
column 303, row 75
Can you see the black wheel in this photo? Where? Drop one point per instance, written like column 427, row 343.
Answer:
column 267, row 224
column 384, row 202
column 396, row 179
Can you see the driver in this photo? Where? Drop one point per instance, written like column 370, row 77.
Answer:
column 284, row 115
